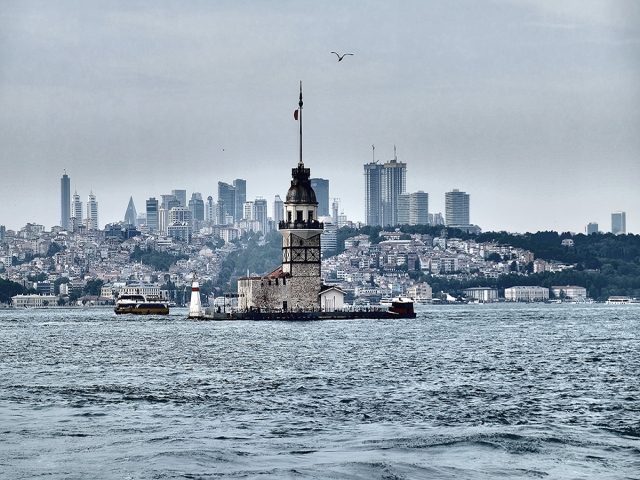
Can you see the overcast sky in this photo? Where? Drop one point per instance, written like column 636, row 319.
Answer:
column 531, row 107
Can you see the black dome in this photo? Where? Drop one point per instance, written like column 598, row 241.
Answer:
column 301, row 191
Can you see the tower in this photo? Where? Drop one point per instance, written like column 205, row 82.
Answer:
column 456, row 204
column 278, row 209
column 260, row 213
column 130, row 215
column 240, row 187
column 76, row 207
column 195, row 307
column 92, row 212
column 394, row 183
column 181, row 196
column 619, row 223
column 321, row 188
column 227, row 197
column 152, row 214
column 65, row 201
column 373, row 193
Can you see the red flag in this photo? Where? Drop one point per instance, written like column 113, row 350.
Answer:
column 295, row 114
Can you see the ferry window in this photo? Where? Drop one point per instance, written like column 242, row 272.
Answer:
column 299, row 215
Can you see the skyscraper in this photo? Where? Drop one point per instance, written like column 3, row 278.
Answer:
column 92, row 213
column 394, row 182
column 76, row 207
column 456, row 205
column 240, row 186
column 196, row 205
column 592, row 228
column 181, row 195
column 403, row 209
column 619, row 223
column 373, row 173
column 419, row 208
column 65, row 201
column 247, row 211
column 210, row 210
column 278, row 209
column 227, row 196
column 321, row 188
column 152, row 214
column 130, row 215
column 260, row 213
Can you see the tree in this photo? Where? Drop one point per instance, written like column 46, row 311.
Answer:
column 513, row 267
column 494, row 257
column 93, row 287
column 57, row 283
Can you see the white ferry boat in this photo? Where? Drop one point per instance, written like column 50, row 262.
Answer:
column 622, row 301
column 141, row 304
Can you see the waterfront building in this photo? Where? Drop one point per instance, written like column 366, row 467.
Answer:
column 321, row 188
column 210, row 210
column 592, row 227
column 482, row 294
column 76, row 207
column 456, row 208
column 227, row 196
column 33, row 301
column 92, row 213
column 260, row 213
column 419, row 208
column 373, row 173
column 65, row 201
column 152, row 214
column 240, row 190
column 619, row 223
column 421, row 293
column 130, row 215
column 526, row 294
column 278, row 209
column 570, row 292
column 196, row 205
column 181, row 196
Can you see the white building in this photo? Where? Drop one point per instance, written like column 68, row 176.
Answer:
column 570, row 292
column 526, row 294
column 421, row 292
column 32, row 301
column 483, row 294
column 92, row 213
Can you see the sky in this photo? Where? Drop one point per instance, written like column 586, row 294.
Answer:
column 532, row 107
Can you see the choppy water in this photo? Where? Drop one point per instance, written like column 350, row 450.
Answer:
column 462, row 392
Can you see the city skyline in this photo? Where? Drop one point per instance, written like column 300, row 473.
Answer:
column 517, row 104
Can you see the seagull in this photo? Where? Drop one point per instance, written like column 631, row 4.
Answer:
column 341, row 57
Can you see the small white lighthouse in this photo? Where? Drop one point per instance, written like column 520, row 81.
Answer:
column 195, row 309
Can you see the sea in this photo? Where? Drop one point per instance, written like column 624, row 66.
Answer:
column 461, row 392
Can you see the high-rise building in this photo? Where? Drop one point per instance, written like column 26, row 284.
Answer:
column 152, row 214
column 3, row 232
column 240, row 186
column 278, row 209
column 419, row 208
column 260, row 213
column 65, row 201
column 394, row 182
column 227, row 196
column 210, row 210
column 247, row 211
column 130, row 215
column 76, row 207
column 180, row 215
column 321, row 188
column 92, row 213
column 456, row 204
column 335, row 207
column 196, row 205
column 329, row 237
column 619, row 223
column 181, row 196
column 221, row 213
column 404, row 209
column 436, row 219
column 592, row 228
column 373, row 173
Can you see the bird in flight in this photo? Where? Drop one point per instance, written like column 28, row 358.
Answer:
column 340, row 57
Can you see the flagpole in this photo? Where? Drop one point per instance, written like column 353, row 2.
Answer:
column 300, row 111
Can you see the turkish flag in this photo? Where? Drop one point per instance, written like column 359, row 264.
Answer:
column 295, row 114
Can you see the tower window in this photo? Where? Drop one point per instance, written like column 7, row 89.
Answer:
column 289, row 217
column 310, row 216
column 299, row 216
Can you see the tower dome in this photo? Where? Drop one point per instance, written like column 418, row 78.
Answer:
column 301, row 190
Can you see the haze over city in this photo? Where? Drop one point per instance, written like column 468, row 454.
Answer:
column 529, row 107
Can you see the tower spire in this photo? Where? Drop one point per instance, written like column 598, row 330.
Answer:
column 300, row 163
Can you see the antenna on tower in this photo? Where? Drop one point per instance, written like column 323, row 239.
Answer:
column 300, row 164
column 395, row 157
column 374, row 153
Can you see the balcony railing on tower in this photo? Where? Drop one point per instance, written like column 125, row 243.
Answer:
column 300, row 224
